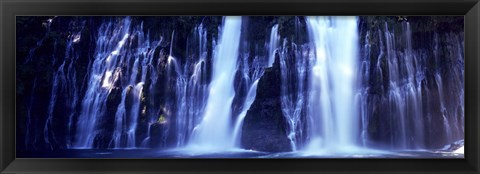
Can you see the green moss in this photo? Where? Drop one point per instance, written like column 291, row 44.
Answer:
column 143, row 98
column 162, row 119
column 144, row 111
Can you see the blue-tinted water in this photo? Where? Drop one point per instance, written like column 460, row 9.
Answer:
column 238, row 153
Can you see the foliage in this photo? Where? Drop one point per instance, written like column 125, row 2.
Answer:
column 162, row 119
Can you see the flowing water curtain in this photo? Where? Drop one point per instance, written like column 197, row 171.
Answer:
column 251, row 71
column 322, row 99
column 135, row 113
column 404, row 89
column 403, row 96
column 361, row 92
column 192, row 91
column 191, row 87
column 47, row 25
column 400, row 73
column 28, row 122
column 115, row 92
column 214, row 131
column 64, row 82
column 273, row 44
column 451, row 104
column 110, row 42
column 331, row 121
column 125, row 130
column 294, row 65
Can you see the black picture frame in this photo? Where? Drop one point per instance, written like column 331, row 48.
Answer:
column 9, row 9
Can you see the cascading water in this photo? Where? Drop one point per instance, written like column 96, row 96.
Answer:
column 294, row 74
column 63, row 82
column 446, row 123
column 361, row 95
column 273, row 44
column 331, row 95
column 129, row 108
column 136, row 91
column 404, row 89
column 58, row 80
column 214, row 130
column 107, row 77
column 413, row 94
column 101, row 80
column 191, row 96
column 294, row 61
column 252, row 73
column 28, row 121
column 451, row 112
column 395, row 94
column 71, row 79
column 252, row 92
column 403, row 92
column 331, row 120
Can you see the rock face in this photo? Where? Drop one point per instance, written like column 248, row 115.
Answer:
column 49, row 95
column 156, row 129
column 264, row 127
column 104, row 135
column 52, row 41
column 436, row 47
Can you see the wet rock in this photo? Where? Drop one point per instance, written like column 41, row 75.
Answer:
column 435, row 42
column 106, row 128
column 264, row 127
column 156, row 132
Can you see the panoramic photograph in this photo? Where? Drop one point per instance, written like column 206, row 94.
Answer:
column 172, row 87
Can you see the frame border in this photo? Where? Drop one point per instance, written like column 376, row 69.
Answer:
column 10, row 9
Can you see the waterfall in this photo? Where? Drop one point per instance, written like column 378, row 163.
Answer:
column 341, row 85
column 133, row 95
column 252, row 73
column 101, row 80
column 331, row 122
column 404, row 89
column 119, row 71
column 451, row 104
column 395, row 94
column 273, row 44
column 58, row 80
column 252, row 92
column 413, row 94
column 214, row 129
column 191, row 91
column 137, row 90
column 294, row 65
column 443, row 109
column 361, row 95
column 293, row 76
column 28, row 121
column 181, row 94
column 120, row 120
column 63, row 87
